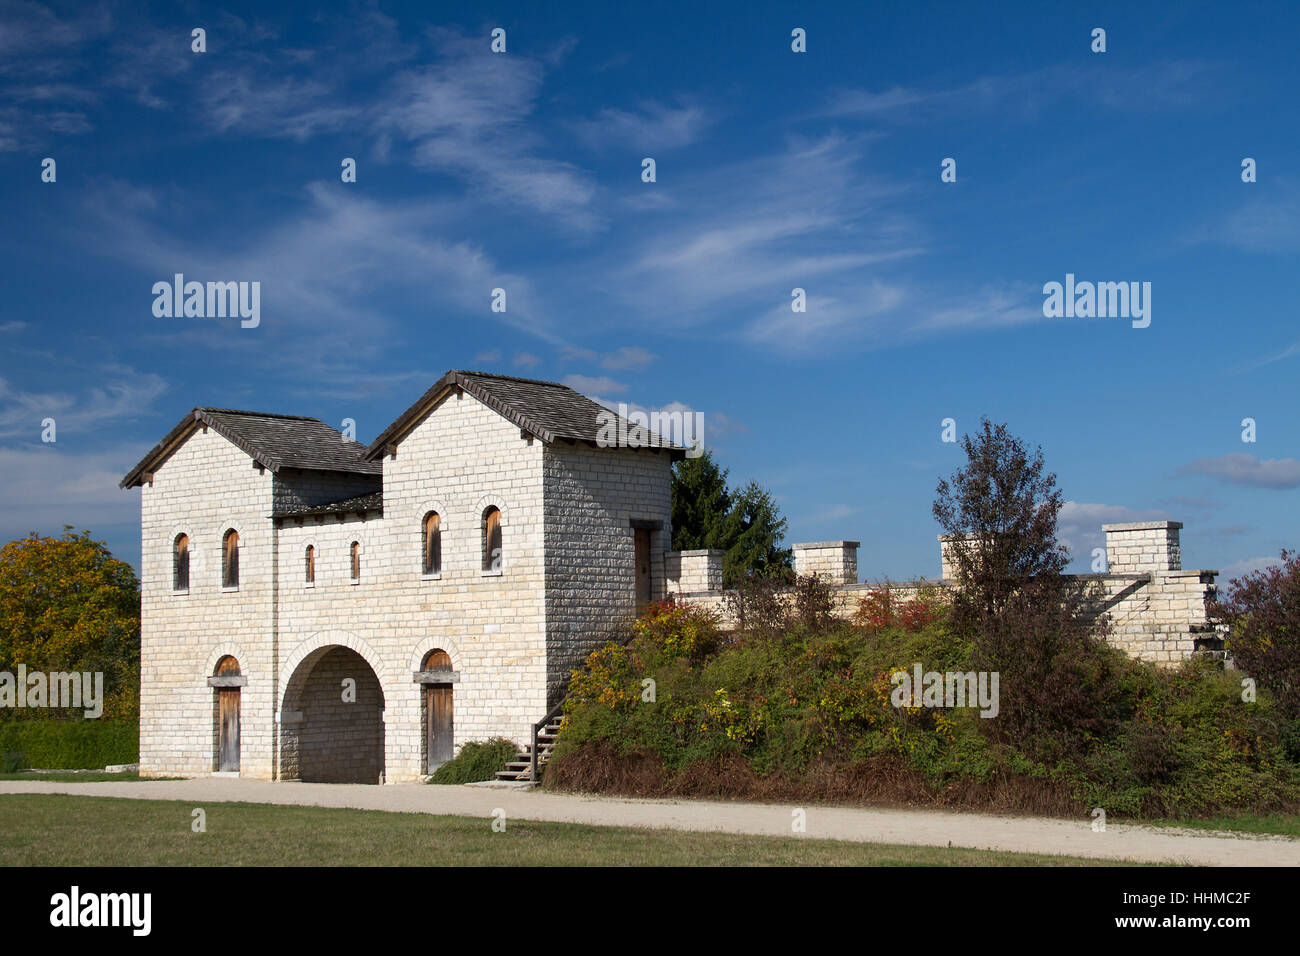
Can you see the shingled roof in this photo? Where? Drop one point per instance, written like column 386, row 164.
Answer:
column 548, row 410
column 273, row 441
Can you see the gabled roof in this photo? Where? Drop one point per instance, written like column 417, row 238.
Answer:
column 273, row 441
column 548, row 410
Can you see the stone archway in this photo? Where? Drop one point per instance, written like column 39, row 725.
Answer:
column 332, row 719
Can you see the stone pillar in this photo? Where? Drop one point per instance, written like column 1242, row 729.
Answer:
column 832, row 561
column 689, row 571
column 1138, row 547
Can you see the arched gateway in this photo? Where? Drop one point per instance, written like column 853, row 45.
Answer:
column 332, row 720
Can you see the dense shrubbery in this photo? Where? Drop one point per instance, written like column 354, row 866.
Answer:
column 68, row 744
column 799, row 705
column 476, row 762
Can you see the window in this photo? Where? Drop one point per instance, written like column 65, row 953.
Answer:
column 310, row 569
column 432, row 562
column 181, row 563
column 356, row 561
column 230, row 559
column 492, row 539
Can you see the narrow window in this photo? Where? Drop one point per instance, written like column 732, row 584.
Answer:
column 311, row 564
column 230, row 559
column 492, row 539
column 181, row 563
column 356, row 561
column 432, row 563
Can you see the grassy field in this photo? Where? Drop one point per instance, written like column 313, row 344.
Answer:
column 62, row 830
column 89, row 776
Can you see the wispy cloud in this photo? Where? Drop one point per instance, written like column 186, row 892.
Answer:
column 653, row 126
column 1240, row 468
column 594, row 386
column 128, row 396
column 1024, row 96
column 1078, row 526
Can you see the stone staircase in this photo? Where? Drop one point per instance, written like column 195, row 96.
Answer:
column 521, row 768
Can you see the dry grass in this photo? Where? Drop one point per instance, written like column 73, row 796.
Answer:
column 599, row 768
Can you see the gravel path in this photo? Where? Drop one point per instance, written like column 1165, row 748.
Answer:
column 920, row 827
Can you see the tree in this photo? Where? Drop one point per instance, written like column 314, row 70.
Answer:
column 1262, row 612
column 746, row 524
column 66, row 604
column 1000, row 513
column 1039, row 630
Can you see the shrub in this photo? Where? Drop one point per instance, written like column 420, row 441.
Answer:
column 477, row 762
column 1263, row 616
column 71, row 744
column 11, row 762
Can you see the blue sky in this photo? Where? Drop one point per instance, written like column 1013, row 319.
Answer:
column 775, row 170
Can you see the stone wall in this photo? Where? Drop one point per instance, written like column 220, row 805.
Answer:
column 1157, row 611
column 594, row 497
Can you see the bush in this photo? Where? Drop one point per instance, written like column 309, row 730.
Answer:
column 11, row 762
column 1263, row 616
column 808, row 715
column 477, row 762
column 71, row 744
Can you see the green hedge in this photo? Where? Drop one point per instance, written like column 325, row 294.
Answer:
column 477, row 762
column 69, row 744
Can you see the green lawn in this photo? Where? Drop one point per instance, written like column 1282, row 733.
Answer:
column 63, row 830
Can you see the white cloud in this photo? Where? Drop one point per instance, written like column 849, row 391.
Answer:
column 48, row 486
column 22, row 412
column 1242, row 469
column 589, row 385
column 1078, row 526
column 629, row 356
column 1239, row 569
column 652, row 127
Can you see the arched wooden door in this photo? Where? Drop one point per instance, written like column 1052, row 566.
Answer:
column 439, row 722
column 228, row 718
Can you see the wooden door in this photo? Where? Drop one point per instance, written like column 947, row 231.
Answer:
column 440, row 729
column 228, row 710
column 642, row 536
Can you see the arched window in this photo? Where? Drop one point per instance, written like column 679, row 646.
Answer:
column 181, row 563
column 432, row 535
column 309, row 570
column 356, row 561
column 230, row 559
column 492, row 539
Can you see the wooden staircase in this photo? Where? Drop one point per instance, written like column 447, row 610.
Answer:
column 544, row 737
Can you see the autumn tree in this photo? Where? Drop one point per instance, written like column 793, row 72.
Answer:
column 66, row 604
column 1040, row 630
column 1262, row 611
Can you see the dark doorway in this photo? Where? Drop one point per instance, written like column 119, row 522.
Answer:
column 642, row 536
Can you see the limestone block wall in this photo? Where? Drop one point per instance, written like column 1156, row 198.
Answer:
column 1140, row 546
column 205, row 487
column 833, row 561
column 457, row 461
column 1157, row 611
column 592, row 498
column 690, row 571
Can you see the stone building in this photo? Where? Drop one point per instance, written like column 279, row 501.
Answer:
column 319, row 610
column 313, row 609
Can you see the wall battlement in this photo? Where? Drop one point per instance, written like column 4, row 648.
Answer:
column 1157, row 610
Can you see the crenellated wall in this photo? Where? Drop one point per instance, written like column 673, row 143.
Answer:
column 1157, row 610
